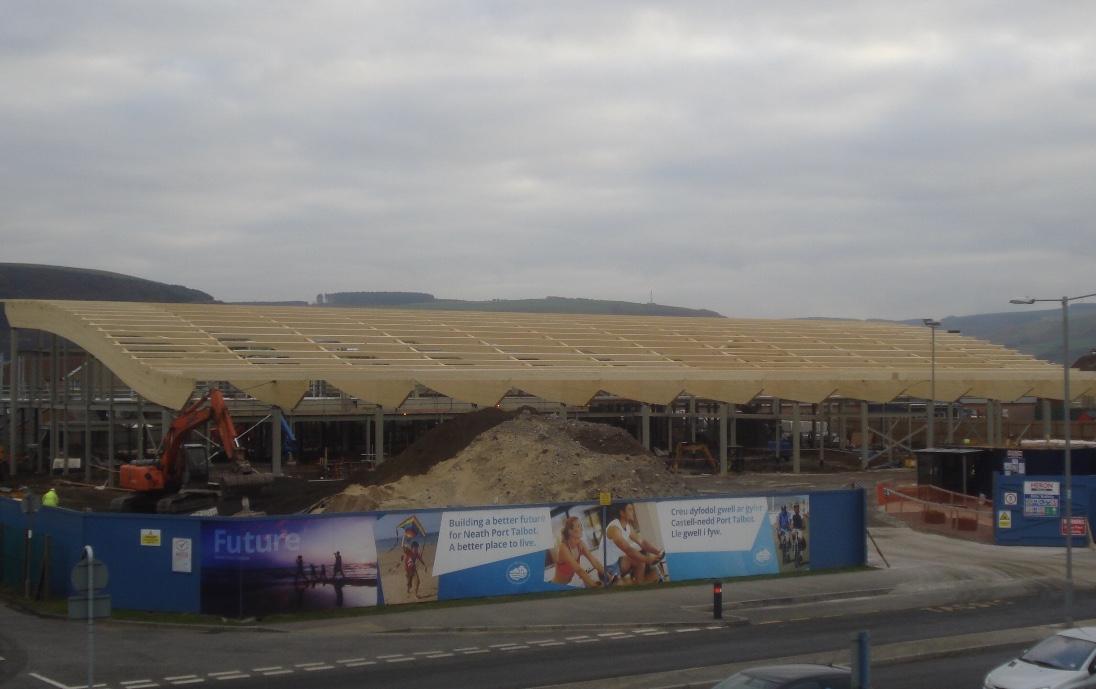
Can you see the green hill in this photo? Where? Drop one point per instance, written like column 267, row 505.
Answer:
column 1033, row 330
column 415, row 301
column 30, row 281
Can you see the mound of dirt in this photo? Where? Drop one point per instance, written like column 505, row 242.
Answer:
column 485, row 457
column 440, row 443
column 529, row 459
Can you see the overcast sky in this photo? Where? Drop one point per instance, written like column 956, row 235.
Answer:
column 760, row 159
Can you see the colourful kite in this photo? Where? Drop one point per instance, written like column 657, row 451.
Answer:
column 412, row 528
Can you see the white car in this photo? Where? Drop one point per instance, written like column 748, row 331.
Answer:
column 1064, row 661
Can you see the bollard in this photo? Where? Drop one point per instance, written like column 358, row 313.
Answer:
column 861, row 661
column 717, row 599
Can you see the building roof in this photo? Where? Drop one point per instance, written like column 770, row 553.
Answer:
column 272, row 353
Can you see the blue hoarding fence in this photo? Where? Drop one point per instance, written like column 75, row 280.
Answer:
column 241, row 567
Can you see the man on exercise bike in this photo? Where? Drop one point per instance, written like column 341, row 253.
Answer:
column 628, row 554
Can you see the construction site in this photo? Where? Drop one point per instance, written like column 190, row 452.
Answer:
column 361, row 409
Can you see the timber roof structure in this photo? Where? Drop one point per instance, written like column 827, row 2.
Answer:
column 272, row 353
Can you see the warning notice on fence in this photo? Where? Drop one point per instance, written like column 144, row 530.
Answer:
column 1042, row 498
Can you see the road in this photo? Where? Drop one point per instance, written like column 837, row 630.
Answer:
column 134, row 657
column 964, row 670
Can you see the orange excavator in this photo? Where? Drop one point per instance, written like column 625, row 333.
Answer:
column 179, row 481
column 692, row 449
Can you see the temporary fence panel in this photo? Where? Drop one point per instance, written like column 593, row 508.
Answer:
column 929, row 508
column 140, row 551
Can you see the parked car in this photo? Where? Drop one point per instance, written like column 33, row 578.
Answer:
column 1063, row 661
column 796, row 676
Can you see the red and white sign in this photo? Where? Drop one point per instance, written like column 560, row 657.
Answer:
column 1080, row 526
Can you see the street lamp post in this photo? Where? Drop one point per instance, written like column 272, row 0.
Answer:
column 930, row 408
column 1067, row 417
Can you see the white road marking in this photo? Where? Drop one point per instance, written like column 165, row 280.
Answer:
column 48, row 681
column 360, row 662
column 59, row 685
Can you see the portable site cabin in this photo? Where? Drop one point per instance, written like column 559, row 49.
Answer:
column 969, row 470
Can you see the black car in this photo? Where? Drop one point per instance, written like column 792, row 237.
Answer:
column 799, row 676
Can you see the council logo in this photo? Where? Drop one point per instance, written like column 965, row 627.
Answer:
column 518, row 573
column 763, row 556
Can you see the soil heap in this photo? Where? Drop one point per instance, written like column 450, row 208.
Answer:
column 528, row 459
column 486, row 457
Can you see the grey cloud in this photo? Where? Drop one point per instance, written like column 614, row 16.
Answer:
column 851, row 158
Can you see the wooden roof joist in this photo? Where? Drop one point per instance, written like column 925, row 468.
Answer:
column 273, row 353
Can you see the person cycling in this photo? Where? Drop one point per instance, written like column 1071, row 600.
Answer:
column 798, row 527
column 783, row 524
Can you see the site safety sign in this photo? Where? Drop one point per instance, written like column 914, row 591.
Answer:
column 1042, row 498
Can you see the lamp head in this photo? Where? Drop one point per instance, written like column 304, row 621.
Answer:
column 1025, row 300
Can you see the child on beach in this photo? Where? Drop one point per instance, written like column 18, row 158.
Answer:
column 411, row 557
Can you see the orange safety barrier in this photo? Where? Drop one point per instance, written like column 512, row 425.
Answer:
column 928, row 508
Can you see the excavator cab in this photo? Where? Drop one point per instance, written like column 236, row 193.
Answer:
column 196, row 471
